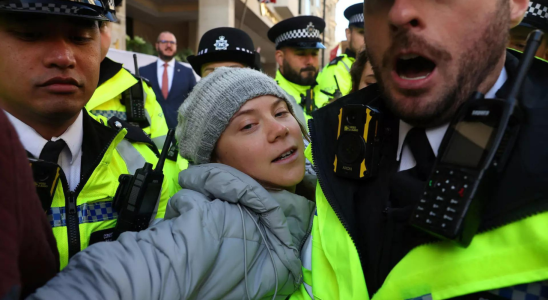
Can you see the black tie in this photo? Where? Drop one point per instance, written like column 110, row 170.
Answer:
column 52, row 150
column 422, row 152
column 407, row 186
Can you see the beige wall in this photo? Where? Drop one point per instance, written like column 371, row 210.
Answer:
column 149, row 32
column 118, row 30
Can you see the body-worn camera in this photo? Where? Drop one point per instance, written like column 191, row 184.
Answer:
column 358, row 142
column 474, row 150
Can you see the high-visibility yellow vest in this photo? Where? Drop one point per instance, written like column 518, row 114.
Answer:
column 338, row 68
column 107, row 102
column 511, row 255
column 92, row 200
column 298, row 91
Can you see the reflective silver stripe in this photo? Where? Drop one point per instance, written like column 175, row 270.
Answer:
column 345, row 65
column 159, row 141
column 133, row 159
column 306, row 258
column 148, row 118
column 87, row 213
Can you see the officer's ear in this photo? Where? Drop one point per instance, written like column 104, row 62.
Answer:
column 517, row 11
column 348, row 33
column 280, row 55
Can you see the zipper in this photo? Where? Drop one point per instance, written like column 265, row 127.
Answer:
column 328, row 195
column 308, row 232
column 72, row 221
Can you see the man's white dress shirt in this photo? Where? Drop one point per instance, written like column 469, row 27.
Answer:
column 70, row 159
column 435, row 135
column 170, row 71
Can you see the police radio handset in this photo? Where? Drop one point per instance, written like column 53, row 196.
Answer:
column 137, row 195
column 134, row 100
column 474, row 150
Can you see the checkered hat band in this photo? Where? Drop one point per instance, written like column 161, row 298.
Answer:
column 298, row 34
column 356, row 19
column 537, row 10
column 44, row 7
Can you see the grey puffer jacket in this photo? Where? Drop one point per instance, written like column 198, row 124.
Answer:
column 198, row 251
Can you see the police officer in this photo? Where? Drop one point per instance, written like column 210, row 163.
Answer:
column 362, row 244
column 224, row 47
column 335, row 80
column 535, row 18
column 51, row 55
column 118, row 89
column 114, row 92
column 298, row 42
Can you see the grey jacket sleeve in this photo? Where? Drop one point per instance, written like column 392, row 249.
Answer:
column 168, row 261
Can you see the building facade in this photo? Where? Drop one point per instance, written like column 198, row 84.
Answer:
column 189, row 19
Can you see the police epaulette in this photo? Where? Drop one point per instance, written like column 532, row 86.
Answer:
column 134, row 134
column 146, row 80
column 336, row 60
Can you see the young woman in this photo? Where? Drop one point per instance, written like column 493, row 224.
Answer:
column 236, row 229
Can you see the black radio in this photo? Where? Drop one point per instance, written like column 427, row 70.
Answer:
column 134, row 100
column 358, row 142
column 473, row 152
column 137, row 194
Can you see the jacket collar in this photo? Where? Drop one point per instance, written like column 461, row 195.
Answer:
column 97, row 140
column 109, row 68
column 112, row 88
column 350, row 53
column 295, row 88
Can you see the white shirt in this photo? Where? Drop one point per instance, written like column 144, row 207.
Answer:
column 170, row 71
column 435, row 135
column 70, row 159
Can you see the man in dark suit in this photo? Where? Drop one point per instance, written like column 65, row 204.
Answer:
column 171, row 81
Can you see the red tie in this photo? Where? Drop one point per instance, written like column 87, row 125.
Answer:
column 165, row 83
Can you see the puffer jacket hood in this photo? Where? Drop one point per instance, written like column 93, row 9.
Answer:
column 224, row 237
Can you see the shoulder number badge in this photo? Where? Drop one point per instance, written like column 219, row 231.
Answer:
column 221, row 44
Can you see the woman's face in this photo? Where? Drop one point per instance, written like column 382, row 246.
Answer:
column 264, row 141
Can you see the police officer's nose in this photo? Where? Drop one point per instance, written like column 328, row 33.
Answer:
column 59, row 54
column 404, row 15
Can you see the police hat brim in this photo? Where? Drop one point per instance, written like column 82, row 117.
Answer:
column 57, row 8
column 111, row 17
column 301, row 45
column 198, row 61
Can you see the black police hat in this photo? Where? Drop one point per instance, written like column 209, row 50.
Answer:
column 110, row 10
column 536, row 15
column 354, row 15
column 88, row 9
column 299, row 32
column 224, row 44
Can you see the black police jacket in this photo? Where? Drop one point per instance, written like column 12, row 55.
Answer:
column 379, row 226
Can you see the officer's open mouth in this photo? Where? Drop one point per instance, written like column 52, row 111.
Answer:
column 414, row 67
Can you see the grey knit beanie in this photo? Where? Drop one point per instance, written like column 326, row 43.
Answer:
column 205, row 114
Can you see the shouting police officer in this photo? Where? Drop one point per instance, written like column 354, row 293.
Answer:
column 297, row 45
column 430, row 57
column 51, row 53
column 535, row 18
column 335, row 80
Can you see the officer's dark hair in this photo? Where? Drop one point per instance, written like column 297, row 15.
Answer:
column 357, row 69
